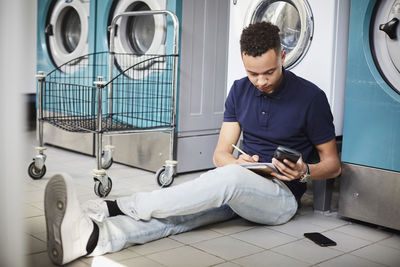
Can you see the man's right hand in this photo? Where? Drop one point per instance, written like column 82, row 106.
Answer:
column 244, row 158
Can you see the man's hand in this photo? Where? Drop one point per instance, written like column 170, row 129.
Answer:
column 244, row 158
column 289, row 170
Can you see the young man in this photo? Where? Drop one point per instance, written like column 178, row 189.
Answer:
column 271, row 107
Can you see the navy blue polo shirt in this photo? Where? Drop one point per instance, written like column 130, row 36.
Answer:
column 296, row 115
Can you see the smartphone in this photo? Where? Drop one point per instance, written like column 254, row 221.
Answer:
column 320, row 239
column 282, row 153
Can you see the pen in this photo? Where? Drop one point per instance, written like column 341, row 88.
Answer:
column 238, row 149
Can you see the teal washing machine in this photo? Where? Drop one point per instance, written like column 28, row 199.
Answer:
column 65, row 32
column 370, row 182
column 137, row 38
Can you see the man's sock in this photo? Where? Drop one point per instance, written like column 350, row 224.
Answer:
column 113, row 208
column 94, row 237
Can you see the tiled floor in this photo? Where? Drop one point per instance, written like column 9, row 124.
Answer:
column 232, row 243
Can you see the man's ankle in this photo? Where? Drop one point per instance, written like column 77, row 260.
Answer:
column 113, row 208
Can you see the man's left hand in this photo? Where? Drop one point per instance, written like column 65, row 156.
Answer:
column 288, row 170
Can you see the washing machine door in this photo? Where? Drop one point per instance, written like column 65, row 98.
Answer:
column 139, row 37
column 67, row 33
column 295, row 21
column 385, row 41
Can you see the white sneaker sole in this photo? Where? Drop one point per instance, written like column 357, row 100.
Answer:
column 68, row 229
column 55, row 201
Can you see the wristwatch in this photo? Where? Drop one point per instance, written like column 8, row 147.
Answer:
column 306, row 176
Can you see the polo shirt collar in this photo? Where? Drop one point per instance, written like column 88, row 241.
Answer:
column 277, row 94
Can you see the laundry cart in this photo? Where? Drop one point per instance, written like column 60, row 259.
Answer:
column 121, row 94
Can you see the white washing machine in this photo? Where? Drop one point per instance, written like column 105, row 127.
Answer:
column 314, row 34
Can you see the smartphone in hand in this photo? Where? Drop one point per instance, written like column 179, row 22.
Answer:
column 282, row 153
column 320, row 239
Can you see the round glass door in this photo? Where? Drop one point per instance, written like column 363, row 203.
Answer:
column 294, row 19
column 385, row 41
column 70, row 33
column 139, row 37
column 67, row 34
column 140, row 30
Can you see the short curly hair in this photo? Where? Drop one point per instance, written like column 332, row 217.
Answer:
column 258, row 38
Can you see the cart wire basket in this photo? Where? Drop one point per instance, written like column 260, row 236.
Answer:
column 140, row 97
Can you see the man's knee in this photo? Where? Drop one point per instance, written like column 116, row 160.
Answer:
column 233, row 174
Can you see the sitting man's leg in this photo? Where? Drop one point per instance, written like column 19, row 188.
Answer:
column 72, row 234
column 120, row 232
column 251, row 196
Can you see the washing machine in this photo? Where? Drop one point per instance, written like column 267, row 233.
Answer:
column 370, row 182
column 63, row 34
column 314, row 35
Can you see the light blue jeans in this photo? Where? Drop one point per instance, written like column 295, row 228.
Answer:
column 215, row 196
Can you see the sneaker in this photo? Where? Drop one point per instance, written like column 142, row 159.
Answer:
column 96, row 209
column 68, row 228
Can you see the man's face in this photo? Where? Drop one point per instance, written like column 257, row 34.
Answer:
column 265, row 71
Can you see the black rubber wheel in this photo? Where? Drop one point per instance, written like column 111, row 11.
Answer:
column 35, row 173
column 99, row 189
column 108, row 165
column 162, row 179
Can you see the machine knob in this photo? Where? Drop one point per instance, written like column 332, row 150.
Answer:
column 390, row 28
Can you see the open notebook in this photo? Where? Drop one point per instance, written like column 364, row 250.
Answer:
column 260, row 165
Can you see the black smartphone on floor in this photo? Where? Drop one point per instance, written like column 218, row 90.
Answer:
column 320, row 239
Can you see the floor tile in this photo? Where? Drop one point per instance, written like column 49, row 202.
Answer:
column 102, row 261
column 307, row 251
column 297, row 228
column 349, row 260
column 227, row 247
column 269, row 258
column 380, row 254
column 155, row 246
column 139, row 262
column 39, row 205
column 233, row 226
column 41, row 236
column 29, row 186
column 196, row 235
column 227, row 264
column 370, row 233
column 185, row 256
column 111, row 257
column 34, row 245
column 345, row 242
column 264, row 237
column 328, row 221
column 393, row 242
column 31, row 211
column 35, row 225
column 42, row 260
column 34, row 196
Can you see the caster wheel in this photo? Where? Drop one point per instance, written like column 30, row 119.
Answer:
column 163, row 179
column 99, row 190
column 35, row 173
column 107, row 165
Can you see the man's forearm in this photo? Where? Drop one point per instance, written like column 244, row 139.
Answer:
column 223, row 158
column 329, row 168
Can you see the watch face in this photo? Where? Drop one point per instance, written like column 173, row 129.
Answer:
column 305, row 178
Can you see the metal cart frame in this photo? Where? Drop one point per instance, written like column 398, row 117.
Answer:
column 107, row 118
